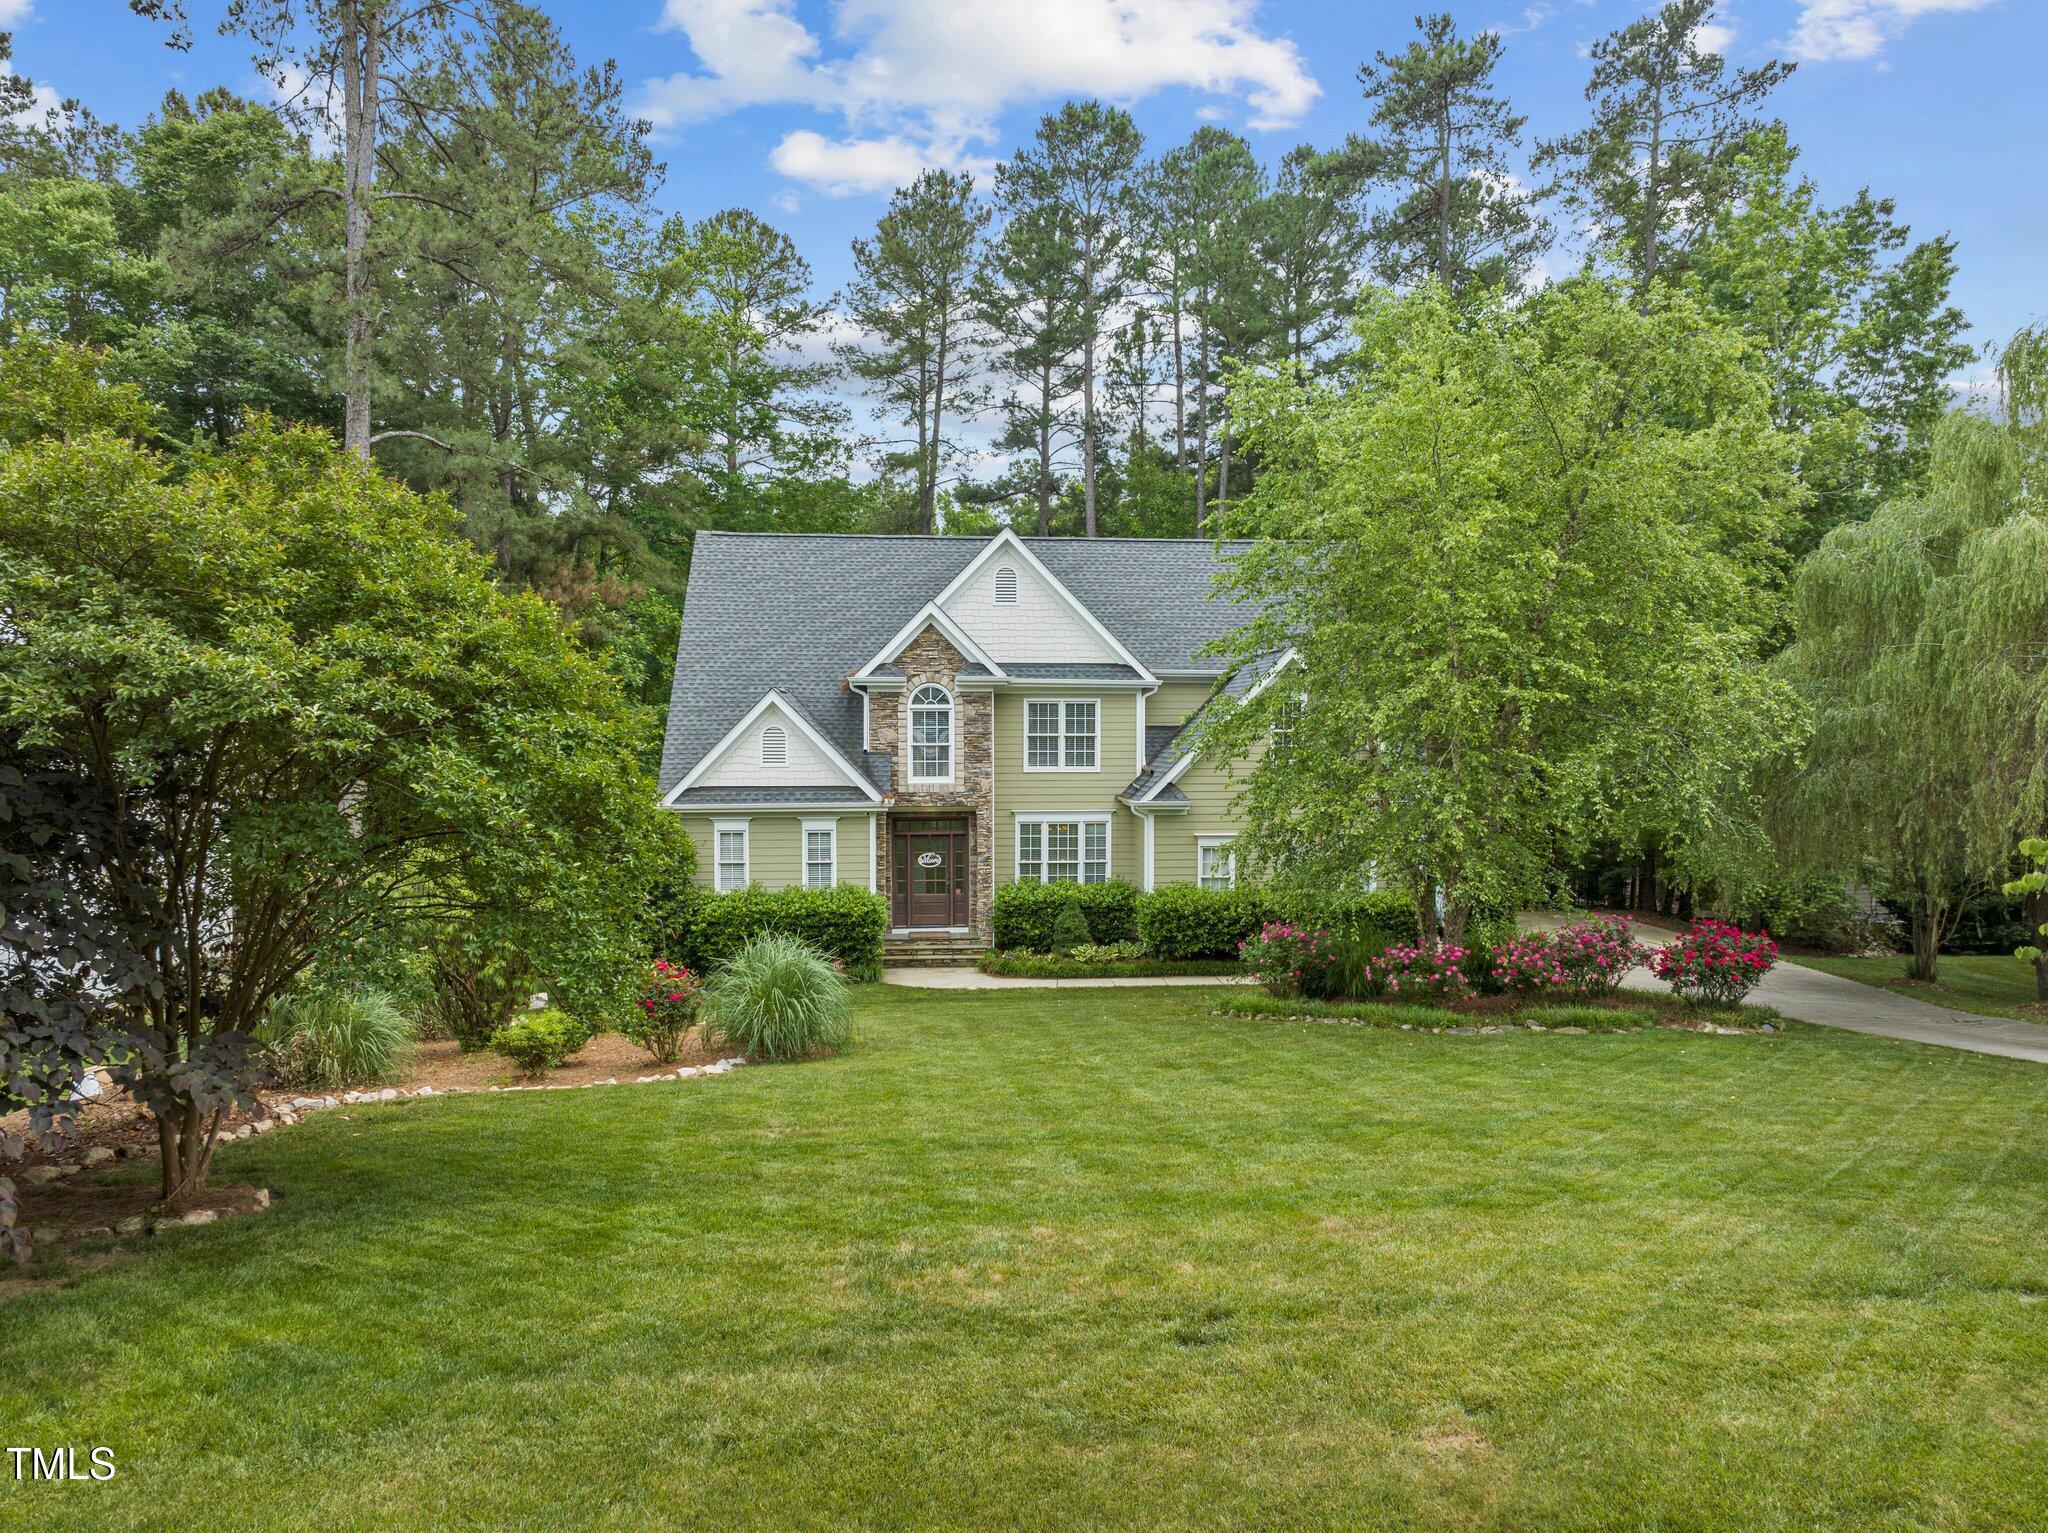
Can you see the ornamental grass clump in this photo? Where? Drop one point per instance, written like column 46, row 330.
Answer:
column 1714, row 961
column 324, row 1040
column 665, row 1012
column 778, row 998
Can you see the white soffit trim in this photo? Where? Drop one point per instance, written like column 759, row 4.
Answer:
column 1182, row 765
column 929, row 616
column 1007, row 538
column 788, row 710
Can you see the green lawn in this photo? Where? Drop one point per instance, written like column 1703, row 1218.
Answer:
column 1088, row 1258
column 1990, row 984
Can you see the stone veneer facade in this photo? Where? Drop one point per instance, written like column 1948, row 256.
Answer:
column 930, row 657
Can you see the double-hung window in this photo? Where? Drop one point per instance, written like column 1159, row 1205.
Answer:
column 821, row 853
column 1052, row 850
column 931, row 735
column 1215, row 862
column 731, row 838
column 1061, row 734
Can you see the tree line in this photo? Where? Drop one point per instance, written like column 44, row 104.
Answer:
column 443, row 245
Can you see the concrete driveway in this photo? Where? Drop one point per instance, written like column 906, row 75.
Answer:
column 1828, row 1000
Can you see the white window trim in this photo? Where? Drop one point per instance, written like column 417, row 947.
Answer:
column 1063, row 817
column 782, row 739
column 996, row 597
column 719, row 829
column 910, row 711
column 1025, row 742
column 1208, row 843
column 814, row 827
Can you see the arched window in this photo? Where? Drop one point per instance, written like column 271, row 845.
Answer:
column 774, row 746
column 1006, row 586
column 931, row 735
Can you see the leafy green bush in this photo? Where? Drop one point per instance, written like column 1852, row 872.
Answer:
column 1070, row 930
column 778, row 998
column 327, row 1039
column 541, row 1040
column 1384, row 916
column 1108, row 952
column 1187, row 921
column 1022, row 915
column 844, row 922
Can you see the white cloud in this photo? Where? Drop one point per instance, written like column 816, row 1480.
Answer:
column 12, row 11
column 1714, row 37
column 840, row 168
column 932, row 76
column 1859, row 29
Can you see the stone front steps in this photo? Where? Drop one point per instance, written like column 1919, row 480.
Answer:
column 932, row 950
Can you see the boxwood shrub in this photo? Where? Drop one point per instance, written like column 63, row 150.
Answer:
column 846, row 923
column 1186, row 921
column 1022, row 915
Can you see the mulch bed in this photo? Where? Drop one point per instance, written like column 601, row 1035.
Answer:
column 120, row 1124
column 83, row 1203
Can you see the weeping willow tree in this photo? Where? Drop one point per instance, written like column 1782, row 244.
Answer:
column 1922, row 649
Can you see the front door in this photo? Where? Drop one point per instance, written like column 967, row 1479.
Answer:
column 930, row 886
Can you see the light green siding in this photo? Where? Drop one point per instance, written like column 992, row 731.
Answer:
column 775, row 847
column 1210, row 790
column 1176, row 701
column 1022, row 792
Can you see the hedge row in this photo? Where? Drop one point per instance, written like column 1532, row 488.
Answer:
column 846, row 923
column 1182, row 921
column 1022, row 915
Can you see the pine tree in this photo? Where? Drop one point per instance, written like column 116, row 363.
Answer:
column 1082, row 163
column 1310, row 237
column 1030, row 299
column 1658, row 159
column 1442, row 144
column 912, row 297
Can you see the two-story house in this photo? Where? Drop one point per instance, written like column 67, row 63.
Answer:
column 931, row 717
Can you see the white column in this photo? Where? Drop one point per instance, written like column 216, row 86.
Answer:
column 1148, row 822
column 872, row 889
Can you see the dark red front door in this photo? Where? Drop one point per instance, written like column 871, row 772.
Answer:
column 930, row 883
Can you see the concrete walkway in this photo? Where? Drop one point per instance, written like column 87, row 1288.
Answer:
column 974, row 979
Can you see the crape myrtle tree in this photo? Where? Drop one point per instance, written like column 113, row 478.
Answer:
column 299, row 686
column 1921, row 646
column 1524, row 553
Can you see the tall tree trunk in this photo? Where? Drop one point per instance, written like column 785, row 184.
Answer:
column 1653, row 186
column 1094, row 323
column 1928, row 911
column 1444, row 270
column 2034, row 911
column 1044, row 497
column 1202, row 427
column 362, row 49
column 1223, row 467
column 931, row 510
column 1180, row 394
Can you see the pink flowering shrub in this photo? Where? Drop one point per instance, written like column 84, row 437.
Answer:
column 1713, row 961
column 1595, row 953
column 1404, row 972
column 1526, row 966
column 1288, row 960
column 665, row 1012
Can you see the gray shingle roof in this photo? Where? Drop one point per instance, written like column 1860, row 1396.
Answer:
column 1165, row 745
column 799, row 613
column 769, row 798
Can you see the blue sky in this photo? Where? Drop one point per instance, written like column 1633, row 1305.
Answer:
column 808, row 110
